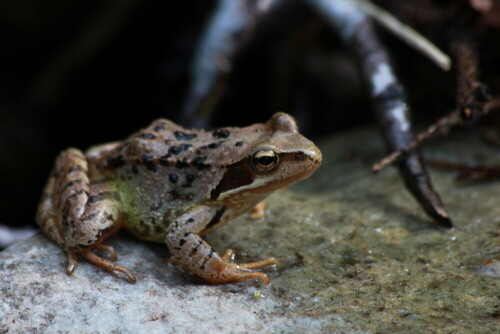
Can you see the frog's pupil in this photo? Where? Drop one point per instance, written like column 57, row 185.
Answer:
column 267, row 160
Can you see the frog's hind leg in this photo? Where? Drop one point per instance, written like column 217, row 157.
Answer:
column 79, row 215
column 65, row 194
column 47, row 217
column 107, row 265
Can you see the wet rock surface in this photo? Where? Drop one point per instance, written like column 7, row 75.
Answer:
column 357, row 256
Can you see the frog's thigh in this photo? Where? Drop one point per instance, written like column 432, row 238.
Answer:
column 64, row 196
column 98, row 219
column 192, row 252
column 79, row 216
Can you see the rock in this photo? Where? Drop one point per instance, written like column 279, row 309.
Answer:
column 10, row 235
column 358, row 256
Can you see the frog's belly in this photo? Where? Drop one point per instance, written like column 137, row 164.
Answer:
column 150, row 207
column 151, row 223
column 148, row 230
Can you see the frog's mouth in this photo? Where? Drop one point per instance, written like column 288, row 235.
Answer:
column 292, row 167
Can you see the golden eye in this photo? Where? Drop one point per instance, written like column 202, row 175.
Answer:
column 264, row 160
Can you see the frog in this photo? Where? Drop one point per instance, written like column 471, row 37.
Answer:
column 171, row 184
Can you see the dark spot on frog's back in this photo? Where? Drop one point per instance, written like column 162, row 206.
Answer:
column 179, row 135
column 175, row 150
column 147, row 135
column 198, row 162
column 215, row 145
column 117, row 161
column 159, row 127
column 164, row 159
column 182, row 163
column 173, row 178
column 239, row 143
column 221, row 133
column 189, row 181
column 149, row 163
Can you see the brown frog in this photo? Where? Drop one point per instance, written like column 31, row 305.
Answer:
column 170, row 184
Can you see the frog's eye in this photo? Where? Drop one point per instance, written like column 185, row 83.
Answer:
column 264, row 160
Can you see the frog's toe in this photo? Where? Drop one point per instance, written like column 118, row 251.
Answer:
column 242, row 271
column 108, row 249
column 233, row 272
column 270, row 261
column 259, row 210
column 229, row 256
column 95, row 259
column 72, row 262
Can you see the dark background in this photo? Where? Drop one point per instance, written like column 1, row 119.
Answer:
column 52, row 97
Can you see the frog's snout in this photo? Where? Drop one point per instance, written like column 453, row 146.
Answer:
column 316, row 156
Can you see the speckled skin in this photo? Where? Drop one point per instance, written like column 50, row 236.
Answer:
column 170, row 184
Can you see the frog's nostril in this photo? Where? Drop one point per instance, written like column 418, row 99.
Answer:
column 317, row 157
column 300, row 156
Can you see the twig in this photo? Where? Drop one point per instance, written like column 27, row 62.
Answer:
column 406, row 33
column 440, row 127
column 471, row 93
column 388, row 96
column 468, row 173
column 225, row 34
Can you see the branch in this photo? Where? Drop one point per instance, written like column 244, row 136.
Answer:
column 388, row 96
column 440, row 127
column 406, row 33
column 225, row 34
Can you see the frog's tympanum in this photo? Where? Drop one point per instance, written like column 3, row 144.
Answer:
column 170, row 184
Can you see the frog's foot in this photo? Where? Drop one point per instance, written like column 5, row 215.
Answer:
column 270, row 261
column 259, row 210
column 233, row 272
column 108, row 249
column 95, row 259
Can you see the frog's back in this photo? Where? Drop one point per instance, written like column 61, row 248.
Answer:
column 164, row 170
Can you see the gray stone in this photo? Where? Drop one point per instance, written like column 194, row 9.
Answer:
column 10, row 235
column 357, row 256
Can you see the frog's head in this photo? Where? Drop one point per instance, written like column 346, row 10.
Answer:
column 279, row 156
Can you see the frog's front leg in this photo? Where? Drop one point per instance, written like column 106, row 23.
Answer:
column 259, row 210
column 185, row 244
column 79, row 215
